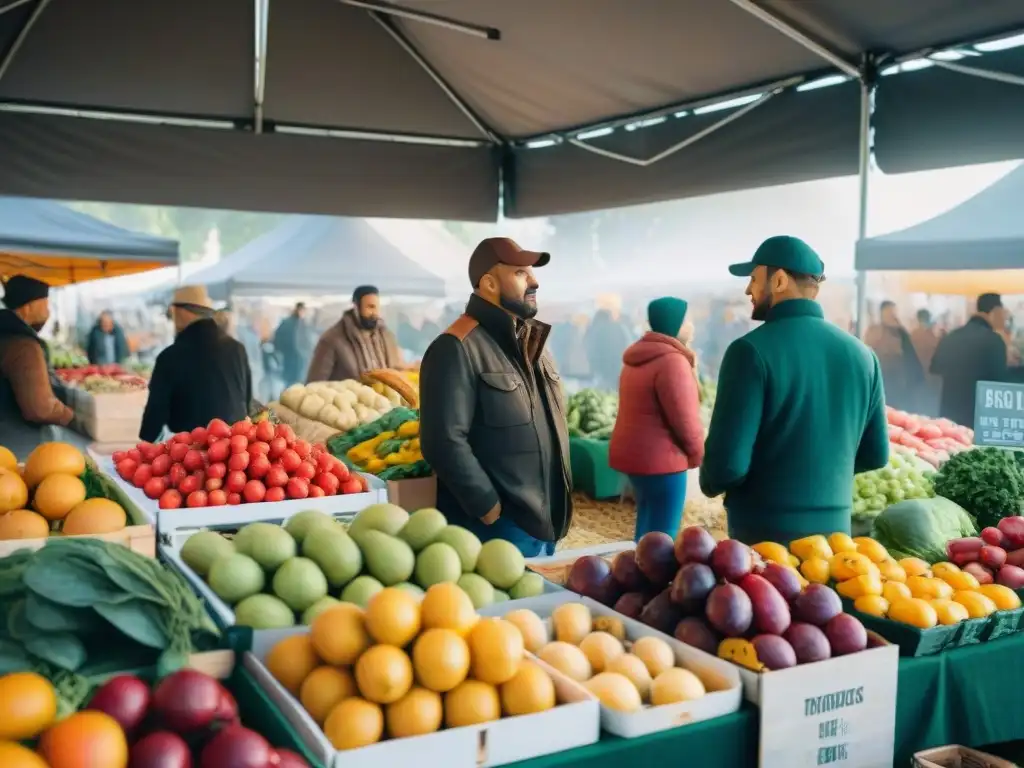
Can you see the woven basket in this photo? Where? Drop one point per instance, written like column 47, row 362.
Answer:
column 396, row 381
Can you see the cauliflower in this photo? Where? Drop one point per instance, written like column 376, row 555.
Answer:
column 311, row 406
column 292, row 397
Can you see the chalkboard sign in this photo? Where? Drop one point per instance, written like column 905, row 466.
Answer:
column 999, row 414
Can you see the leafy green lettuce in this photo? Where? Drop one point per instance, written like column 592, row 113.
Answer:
column 921, row 527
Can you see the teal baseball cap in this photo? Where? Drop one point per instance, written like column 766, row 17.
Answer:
column 784, row 252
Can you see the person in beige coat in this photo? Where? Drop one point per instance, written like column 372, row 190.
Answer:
column 357, row 343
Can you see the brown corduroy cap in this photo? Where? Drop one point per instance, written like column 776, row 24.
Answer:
column 501, row 250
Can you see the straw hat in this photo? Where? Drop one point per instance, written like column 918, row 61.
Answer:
column 192, row 297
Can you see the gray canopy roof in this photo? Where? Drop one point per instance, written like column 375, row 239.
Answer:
column 317, row 255
column 984, row 232
column 351, row 106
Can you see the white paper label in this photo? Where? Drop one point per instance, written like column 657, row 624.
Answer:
column 839, row 712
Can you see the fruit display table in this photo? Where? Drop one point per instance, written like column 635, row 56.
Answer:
column 590, row 471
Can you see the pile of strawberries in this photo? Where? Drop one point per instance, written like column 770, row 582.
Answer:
column 244, row 463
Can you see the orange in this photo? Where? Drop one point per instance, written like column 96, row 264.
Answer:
column 496, row 650
column 95, row 516
column 50, row 459
column 339, row 634
column 471, row 703
column 8, row 460
column 447, row 606
column 23, row 524
column 531, row 690
column 354, row 723
column 28, row 705
column 13, row 492
column 384, row 674
column 291, row 660
column 13, row 755
column 57, row 495
column 323, row 688
column 418, row 712
column 441, row 659
column 393, row 617
column 85, row 740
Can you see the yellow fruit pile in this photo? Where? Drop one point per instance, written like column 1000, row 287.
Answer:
column 594, row 651
column 908, row 591
column 51, row 482
column 405, row 667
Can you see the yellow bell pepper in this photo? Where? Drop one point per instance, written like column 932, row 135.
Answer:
column 409, row 429
column 873, row 605
column 840, row 542
column 365, row 450
column 811, row 547
column 815, row 569
column 915, row 612
column 859, row 586
column 395, row 459
column 978, row 605
column 773, row 552
column 849, row 565
column 874, row 550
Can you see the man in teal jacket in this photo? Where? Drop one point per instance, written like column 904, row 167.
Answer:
column 800, row 407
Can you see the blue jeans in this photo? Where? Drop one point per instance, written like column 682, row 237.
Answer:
column 504, row 528
column 659, row 503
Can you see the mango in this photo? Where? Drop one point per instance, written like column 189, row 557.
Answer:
column 940, row 569
column 811, row 547
column 874, row 550
column 928, row 588
column 915, row 612
column 1004, row 597
column 815, row 570
column 740, row 651
column 841, row 542
column 977, row 604
column 849, row 565
column 895, row 590
column 891, row 571
column 949, row 611
column 859, row 586
column 915, row 566
column 773, row 552
column 959, row 580
column 874, row 605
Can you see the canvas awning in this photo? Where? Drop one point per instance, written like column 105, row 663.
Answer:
column 984, row 232
column 426, row 108
column 317, row 255
column 53, row 243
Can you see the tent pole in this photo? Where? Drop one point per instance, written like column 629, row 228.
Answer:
column 867, row 93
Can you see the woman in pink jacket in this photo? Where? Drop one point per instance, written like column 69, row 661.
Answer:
column 658, row 433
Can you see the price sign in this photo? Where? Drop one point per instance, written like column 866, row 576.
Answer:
column 999, row 414
column 838, row 712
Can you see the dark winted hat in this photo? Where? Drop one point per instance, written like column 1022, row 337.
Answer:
column 20, row 290
column 783, row 252
column 501, row 250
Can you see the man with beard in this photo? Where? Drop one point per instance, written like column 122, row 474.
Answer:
column 30, row 398
column 357, row 343
column 492, row 418
column 800, row 407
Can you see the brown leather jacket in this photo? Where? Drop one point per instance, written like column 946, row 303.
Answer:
column 345, row 351
column 493, row 422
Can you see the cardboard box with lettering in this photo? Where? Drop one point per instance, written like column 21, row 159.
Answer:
column 955, row 756
column 842, row 710
column 410, row 495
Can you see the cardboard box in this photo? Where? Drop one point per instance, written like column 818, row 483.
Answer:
column 411, row 495
column 573, row 723
column 111, row 416
column 720, row 678
column 955, row 756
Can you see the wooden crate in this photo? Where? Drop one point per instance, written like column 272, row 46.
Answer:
column 112, row 417
column 138, row 538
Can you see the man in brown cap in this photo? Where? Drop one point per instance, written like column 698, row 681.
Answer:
column 492, row 421
column 28, row 401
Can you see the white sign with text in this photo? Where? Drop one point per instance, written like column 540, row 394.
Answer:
column 839, row 712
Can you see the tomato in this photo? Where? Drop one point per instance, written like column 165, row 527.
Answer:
column 324, row 462
column 176, row 474
column 177, row 451
column 285, row 431
column 238, row 461
column 219, row 451
column 217, row 471
column 289, row 460
column 197, row 499
column 315, row 492
column 254, row 491
column 306, row 470
column 297, row 488
column 145, row 451
column 158, row 449
column 189, row 484
column 241, row 427
column 302, row 448
column 239, row 443
column 259, row 447
column 278, row 445
column 118, row 456
column 235, row 481
column 340, row 471
column 276, row 477
column 274, row 494
column 199, row 435
column 161, row 465
column 193, row 460
column 155, row 487
column 259, row 466
column 135, row 456
column 217, row 498
column 170, row 499
column 265, row 431
column 126, row 468
column 182, row 437
column 142, row 475
column 214, row 484
column 234, row 498
column 218, row 428
column 352, row 485
column 328, row 482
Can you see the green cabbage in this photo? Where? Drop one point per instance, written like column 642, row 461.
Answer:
column 921, row 527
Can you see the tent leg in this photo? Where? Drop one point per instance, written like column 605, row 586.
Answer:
column 867, row 89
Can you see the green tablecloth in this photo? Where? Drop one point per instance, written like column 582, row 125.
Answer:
column 969, row 696
column 590, row 471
